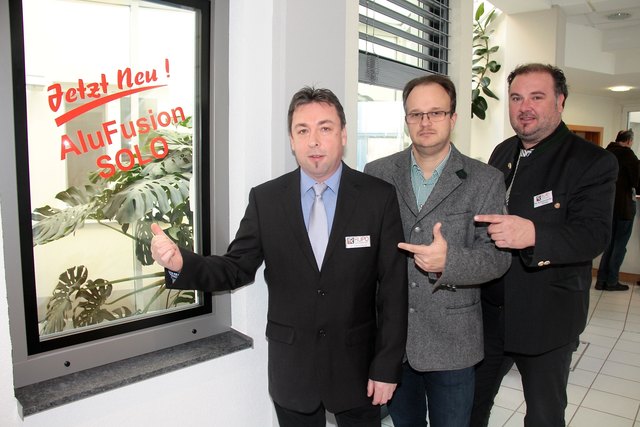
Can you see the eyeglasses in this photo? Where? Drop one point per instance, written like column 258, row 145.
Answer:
column 433, row 116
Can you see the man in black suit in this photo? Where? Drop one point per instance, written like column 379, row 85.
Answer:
column 336, row 323
column 559, row 199
column 624, row 212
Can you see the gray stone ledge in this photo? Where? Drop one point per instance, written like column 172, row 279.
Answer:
column 48, row 394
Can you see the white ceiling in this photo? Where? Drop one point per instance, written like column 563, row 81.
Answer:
column 619, row 37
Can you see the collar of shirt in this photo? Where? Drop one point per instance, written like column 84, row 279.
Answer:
column 329, row 197
column 422, row 187
column 557, row 136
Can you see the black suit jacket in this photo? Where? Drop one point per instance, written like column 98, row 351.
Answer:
column 566, row 187
column 329, row 331
column 624, row 206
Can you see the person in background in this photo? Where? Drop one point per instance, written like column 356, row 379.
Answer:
column 559, row 201
column 328, row 235
column 439, row 191
column 624, row 212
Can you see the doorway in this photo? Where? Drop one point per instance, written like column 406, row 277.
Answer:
column 590, row 133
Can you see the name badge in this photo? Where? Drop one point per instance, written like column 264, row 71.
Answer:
column 542, row 199
column 357, row 242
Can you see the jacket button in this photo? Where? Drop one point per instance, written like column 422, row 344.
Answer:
column 412, row 310
column 547, row 262
column 413, row 285
column 417, row 229
column 321, row 293
column 540, row 264
column 322, row 333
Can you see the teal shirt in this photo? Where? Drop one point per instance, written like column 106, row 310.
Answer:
column 422, row 187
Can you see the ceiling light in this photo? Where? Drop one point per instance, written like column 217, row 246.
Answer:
column 620, row 88
column 618, row 16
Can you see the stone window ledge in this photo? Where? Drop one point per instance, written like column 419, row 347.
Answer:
column 48, row 394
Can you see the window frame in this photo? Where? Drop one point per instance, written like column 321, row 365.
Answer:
column 42, row 360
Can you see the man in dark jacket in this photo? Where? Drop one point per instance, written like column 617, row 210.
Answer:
column 337, row 315
column 624, row 211
column 559, row 201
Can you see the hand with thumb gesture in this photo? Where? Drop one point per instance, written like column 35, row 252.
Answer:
column 164, row 251
column 430, row 258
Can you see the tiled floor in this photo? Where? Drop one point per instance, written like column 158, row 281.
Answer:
column 604, row 384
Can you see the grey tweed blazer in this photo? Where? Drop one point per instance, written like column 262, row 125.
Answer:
column 445, row 317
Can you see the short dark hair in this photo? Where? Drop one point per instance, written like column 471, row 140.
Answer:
column 308, row 95
column 625, row 135
column 560, row 81
column 438, row 79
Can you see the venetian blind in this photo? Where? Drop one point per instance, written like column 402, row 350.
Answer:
column 402, row 39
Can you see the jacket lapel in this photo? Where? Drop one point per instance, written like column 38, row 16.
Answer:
column 451, row 178
column 290, row 201
column 402, row 181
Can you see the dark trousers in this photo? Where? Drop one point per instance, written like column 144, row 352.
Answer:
column 447, row 394
column 544, row 376
column 364, row 416
column 613, row 256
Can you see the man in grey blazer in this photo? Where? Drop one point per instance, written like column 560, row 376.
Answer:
column 449, row 255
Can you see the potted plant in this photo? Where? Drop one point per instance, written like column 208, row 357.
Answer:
column 483, row 64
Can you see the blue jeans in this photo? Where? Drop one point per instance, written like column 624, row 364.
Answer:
column 616, row 250
column 448, row 394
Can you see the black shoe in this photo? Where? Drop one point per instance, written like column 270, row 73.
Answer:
column 600, row 285
column 617, row 287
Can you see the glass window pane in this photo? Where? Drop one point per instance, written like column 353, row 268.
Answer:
column 114, row 143
column 381, row 127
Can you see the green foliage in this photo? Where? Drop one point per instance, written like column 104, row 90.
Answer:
column 482, row 62
column 156, row 192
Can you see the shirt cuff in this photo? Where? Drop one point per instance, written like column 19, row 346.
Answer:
column 173, row 274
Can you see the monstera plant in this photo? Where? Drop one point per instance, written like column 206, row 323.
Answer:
column 133, row 198
column 483, row 64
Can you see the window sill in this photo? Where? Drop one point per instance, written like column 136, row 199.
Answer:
column 48, row 394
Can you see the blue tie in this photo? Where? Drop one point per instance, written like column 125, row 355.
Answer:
column 318, row 226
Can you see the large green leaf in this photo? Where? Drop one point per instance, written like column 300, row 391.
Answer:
column 489, row 93
column 141, row 198
column 59, row 305
column 479, row 107
column 90, row 311
column 480, row 52
column 479, row 11
column 492, row 15
column 52, row 223
column 177, row 161
column 493, row 66
column 143, row 242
